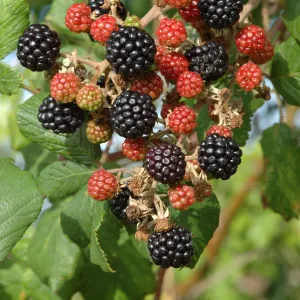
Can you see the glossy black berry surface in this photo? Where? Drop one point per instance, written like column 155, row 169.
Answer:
column 38, row 48
column 130, row 51
column 172, row 248
column 209, row 60
column 96, row 6
column 219, row 156
column 133, row 114
column 165, row 163
column 220, row 13
column 60, row 118
column 119, row 203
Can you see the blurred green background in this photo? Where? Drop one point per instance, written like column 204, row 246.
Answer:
column 259, row 257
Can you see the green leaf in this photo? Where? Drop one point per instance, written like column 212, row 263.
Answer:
column 63, row 178
column 285, row 72
column 76, row 218
column 241, row 135
column 37, row 158
column 282, row 187
column 291, row 17
column 202, row 219
column 104, row 236
column 20, row 203
column 10, row 80
column 14, row 18
column 203, row 122
column 74, row 147
column 52, row 256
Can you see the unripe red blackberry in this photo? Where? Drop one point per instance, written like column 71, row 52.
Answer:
column 167, row 108
column 98, row 133
column 150, row 84
column 177, row 3
column 160, row 52
column 38, row 48
column 171, row 32
column 130, row 51
column 165, row 163
column 220, row 14
column 264, row 55
column 172, row 65
column 64, row 87
column 97, row 8
column 90, row 98
column 191, row 12
column 119, row 203
column 189, row 84
column 249, row 76
column 219, row 156
column 78, row 17
column 102, row 28
column 134, row 149
column 250, row 38
column 60, row 118
column 209, row 60
column 171, row 248
column 220, row 130
column 182, row 196
column 133, row 114
column 102, row 185
column 182, row 120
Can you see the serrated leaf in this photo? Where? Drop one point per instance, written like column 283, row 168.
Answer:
column 20, row 204
column 291, row 17
column 37, row 158
column 282, row 187
column 76, row 218
column 63, row 178
column 202, row 219
column 74, row 147
column 52, row 256
column 14, row 18
column 285, row 71
column 10, row 80
column 104, row 236
column 203, row 122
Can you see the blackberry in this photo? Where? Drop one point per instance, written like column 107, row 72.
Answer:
column 60, row 118
column 209, row 60
column 133, row 114
column 101, row 81
column 220, row 14
column 165, row 163
column 38, row 48
column 95, row 6
column 219, row 156
column 119, row 203
column 130, row 51
column 172, row 248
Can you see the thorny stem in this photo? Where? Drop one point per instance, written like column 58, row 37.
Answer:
column 160, row 280
column 153, row 13
column 121, row 170
column 30, row 89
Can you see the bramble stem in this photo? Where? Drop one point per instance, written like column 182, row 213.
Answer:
column 251, row 5
column 152, row 14
column 160, row 280
column 30, row 89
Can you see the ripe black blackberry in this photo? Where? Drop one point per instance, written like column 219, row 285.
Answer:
column 130, row 51
column 60, row 118
column 133, row 114
column 101, row 81
column 220, row 14
column 219, row 156
column 119, row 203
column 96, row 6
column 172, row 248
column 165, row 163
column 38, row 48
column 209, row 60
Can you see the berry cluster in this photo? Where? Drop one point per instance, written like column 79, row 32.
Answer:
column 118, row 96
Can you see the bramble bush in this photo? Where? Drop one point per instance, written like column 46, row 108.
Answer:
column 137, row 122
